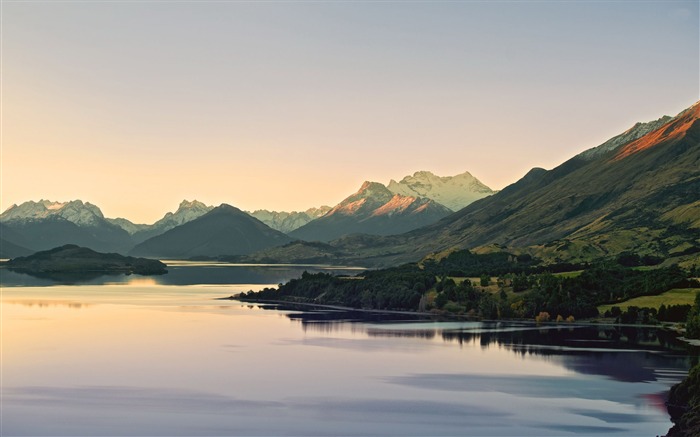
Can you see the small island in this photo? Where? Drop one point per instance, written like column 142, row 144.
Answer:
column 75, row 259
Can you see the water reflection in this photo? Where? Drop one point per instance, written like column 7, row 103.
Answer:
column 543, row 340
column 176, row 361
column 141, row 281
column 427, row 334
column 106, row 396
column 626, row 354
column 14, row 278
column 48, row 303
column 179, row 273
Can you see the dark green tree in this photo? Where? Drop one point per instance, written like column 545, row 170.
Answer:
column 692, row 326
column 520, row 283
column 484, row 280
column 441, row 300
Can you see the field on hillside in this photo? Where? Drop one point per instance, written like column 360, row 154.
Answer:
column 676, row 296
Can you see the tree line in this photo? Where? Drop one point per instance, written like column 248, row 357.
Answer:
column 536, row 292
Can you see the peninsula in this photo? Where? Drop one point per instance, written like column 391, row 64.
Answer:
column 75, row 259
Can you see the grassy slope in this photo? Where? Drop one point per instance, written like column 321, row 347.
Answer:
column 677, row 296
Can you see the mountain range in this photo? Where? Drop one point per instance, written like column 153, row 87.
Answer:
column 638, row 191
column 35, row 226
column 45, row 224
column 42, row 225
column 286, row 222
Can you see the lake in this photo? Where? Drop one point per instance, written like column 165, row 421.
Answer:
column 135, row 355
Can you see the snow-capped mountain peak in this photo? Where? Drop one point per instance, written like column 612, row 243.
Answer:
column 53, row 205
column 82, row 214
column 288, row 221
column 454, row 192
column 186, row 212
column 195, row 204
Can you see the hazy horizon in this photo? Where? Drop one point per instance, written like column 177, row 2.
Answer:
column 286, row 106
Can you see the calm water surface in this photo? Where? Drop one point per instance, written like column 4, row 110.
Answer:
column 140, row 357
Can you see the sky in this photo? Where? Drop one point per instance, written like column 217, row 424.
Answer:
column 135, row 106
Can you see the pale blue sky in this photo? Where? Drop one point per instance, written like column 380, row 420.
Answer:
column 286, row 105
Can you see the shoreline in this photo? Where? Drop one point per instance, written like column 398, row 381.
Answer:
column 332, row 307
column 450, row 316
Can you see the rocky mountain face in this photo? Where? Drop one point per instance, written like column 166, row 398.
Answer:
column 45, row 224
column 454, row 192
column 633, row 133
column 374, row 209
column 286, row 222
column 225, row 230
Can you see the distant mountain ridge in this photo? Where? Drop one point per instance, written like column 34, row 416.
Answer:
column 46, row 224
column 186, row 212
column 75, row 211
column 454, row 192
column 225, row 230
column 128, row 226
column 373, row 209
column 286, row 222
